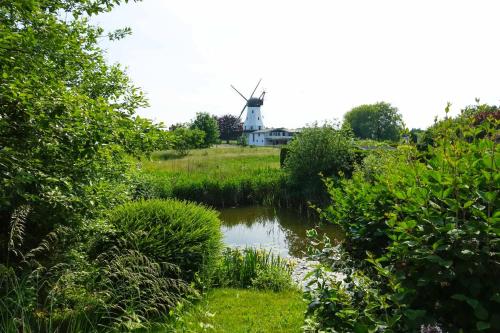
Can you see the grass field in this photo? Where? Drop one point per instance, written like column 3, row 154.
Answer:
column 219, row 176
column 221, row 161
column 244, row 310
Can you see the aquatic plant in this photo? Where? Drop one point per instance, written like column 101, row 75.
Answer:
column 250, row 267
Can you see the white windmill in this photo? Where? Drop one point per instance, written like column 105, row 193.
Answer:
column 253, row 120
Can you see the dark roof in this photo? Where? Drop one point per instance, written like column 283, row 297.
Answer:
column 254, row 102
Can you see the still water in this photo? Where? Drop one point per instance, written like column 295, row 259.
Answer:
column 282, row 230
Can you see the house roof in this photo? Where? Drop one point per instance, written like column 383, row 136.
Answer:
column 282, row 129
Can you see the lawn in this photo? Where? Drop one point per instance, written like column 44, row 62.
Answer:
column 244, row 310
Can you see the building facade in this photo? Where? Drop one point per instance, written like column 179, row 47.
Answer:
column 270, row 136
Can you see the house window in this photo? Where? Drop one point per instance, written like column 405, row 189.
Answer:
column 252, row 111
column 259, row 134
column 251, row 127
column 258, row 118
column 259, row 127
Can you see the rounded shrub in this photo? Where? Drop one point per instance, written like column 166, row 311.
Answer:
column 171, row 231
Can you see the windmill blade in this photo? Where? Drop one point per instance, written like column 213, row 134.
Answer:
column 261, row 97
column 239, row 93
column 244, row 106
column 255, row 88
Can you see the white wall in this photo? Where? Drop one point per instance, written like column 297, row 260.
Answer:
column 253, row 120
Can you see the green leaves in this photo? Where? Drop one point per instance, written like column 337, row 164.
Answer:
column 430, row 222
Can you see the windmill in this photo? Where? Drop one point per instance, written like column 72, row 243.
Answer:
column 253, row 120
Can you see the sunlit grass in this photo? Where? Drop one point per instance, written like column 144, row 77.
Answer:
column 216, row 161
column 218, row 176
column 244, row 310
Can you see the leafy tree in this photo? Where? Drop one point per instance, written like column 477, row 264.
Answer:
column 66, row 117
column 208, row 124
column 230, row 127
column 379, row 121
column 173, row 127
column 184, row 139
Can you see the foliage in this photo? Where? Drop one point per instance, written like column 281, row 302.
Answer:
column 342, row 298
column 230, row 127
column 273, row 279
column 66, row 117
column 243, row 141
column 208, row 124
column 283, row 155
column 379, row 121
column 429, row 223
column 240, row 310
column 473, row 114
column 170, row 231
column 251, row 267
column 325, row 150
column 183, row 139
column 119, row 290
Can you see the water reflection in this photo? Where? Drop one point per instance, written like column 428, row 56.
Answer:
column 280, row 229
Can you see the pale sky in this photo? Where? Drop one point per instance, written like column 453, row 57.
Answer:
column 317, row 58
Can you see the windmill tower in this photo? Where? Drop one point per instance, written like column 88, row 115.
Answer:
column 253, row 120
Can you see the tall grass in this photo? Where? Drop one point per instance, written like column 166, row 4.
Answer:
column 131, row 269
column 247, row 267
column 218, row 177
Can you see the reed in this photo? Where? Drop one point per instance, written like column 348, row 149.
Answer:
column 243, row 268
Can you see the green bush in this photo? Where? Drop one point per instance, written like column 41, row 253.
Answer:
column 170, row 231
column 431, row 227
column 325, row 150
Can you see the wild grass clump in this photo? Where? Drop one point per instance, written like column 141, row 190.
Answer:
column 170, row 231
column 250, row 267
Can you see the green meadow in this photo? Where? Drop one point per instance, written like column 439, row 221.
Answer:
column 220, row 176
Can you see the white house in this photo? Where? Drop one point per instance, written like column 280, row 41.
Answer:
column 270, row 136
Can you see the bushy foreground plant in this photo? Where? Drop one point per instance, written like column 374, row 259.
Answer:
column 429, row 227
column 252, row 267
column 171, row 231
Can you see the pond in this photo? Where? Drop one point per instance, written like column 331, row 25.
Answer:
column 282, row 230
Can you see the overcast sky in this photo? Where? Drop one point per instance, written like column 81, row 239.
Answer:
column 317, row 59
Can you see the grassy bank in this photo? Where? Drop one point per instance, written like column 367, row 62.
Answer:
column 243, row 310
column 220, row 176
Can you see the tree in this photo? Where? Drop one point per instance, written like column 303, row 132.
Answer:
column 208, row 124
column 66, row 117
column 184, row 139
column 175, row 126
column 379, row 121
column 230, row 127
